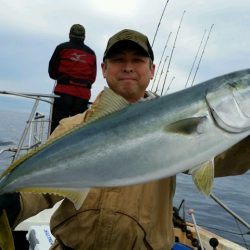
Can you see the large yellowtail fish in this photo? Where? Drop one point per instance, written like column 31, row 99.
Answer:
column 125, row 144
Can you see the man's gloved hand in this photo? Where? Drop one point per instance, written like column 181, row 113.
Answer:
column 11, row 203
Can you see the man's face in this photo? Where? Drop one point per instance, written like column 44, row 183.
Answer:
column 128, row 72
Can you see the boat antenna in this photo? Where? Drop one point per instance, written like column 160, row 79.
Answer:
column 198, row 51
column 160, row 61
column 171, row 55
column 202, row 54
column 159, row 23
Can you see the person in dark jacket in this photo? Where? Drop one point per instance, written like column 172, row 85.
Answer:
column 73, row 66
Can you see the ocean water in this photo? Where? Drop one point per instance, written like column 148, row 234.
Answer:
column 234, row 191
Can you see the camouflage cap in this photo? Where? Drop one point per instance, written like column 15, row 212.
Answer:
column 133, row 36
column 77, row 30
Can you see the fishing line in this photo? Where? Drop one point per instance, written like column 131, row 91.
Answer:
column 240, row 230
column 229, row 232
column 224, row 231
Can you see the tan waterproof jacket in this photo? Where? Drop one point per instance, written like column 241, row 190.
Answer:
column 134, row 217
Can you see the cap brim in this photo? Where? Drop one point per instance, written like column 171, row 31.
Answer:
column 125, row 44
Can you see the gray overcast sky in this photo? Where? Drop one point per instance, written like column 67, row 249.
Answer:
column 31, row 29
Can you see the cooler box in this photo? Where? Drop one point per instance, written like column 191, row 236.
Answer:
column 40, row 237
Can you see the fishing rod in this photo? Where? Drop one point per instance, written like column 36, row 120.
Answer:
column 230, row 211
column 170, row 59
column 202, row 54
column 161, row 74
column 191, row 212
column 198, row 51
column 159, row 23
column 168, row 88
column 161, row 60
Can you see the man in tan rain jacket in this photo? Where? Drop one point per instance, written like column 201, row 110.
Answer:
column 133, row 217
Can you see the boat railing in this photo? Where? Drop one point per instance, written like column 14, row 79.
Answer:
column 37, row 128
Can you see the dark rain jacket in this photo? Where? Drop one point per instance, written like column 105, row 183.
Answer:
column 73, row 66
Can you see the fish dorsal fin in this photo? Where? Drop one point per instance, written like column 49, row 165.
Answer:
column 203, row 176
column 109, row 102
column 192, row 125
column 77, row 197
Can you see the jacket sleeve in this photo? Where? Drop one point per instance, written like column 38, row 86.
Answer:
column 235, row 160
column 32, row 204
column 53, row 63
column 94, row 71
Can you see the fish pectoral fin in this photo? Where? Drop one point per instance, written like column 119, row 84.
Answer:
column 203, row 176
column 6, row 238
column 188, row 126
column 76, row 196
